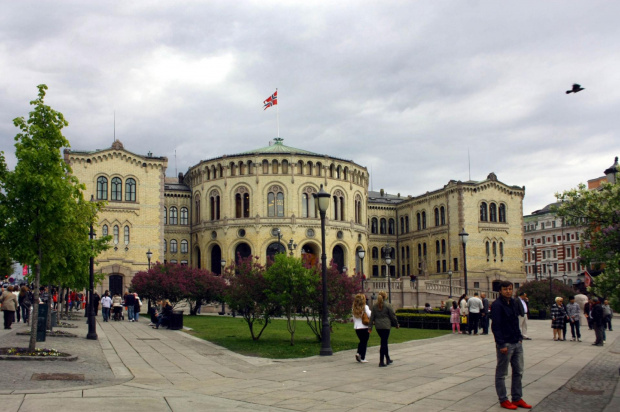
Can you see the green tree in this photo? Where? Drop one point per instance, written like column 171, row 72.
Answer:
column 540, row 298
column 599, row 211
column 291, row 286
column 40, row 196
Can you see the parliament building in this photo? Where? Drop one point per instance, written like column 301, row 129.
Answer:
column 259, row 203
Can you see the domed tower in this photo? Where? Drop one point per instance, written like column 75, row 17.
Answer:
column 260, row 203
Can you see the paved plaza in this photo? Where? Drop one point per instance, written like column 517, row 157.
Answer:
column 134, row 366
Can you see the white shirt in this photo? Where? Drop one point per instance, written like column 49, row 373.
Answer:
column 524, row 305
column 106, row 302
column 474, row 305
column 357, row 322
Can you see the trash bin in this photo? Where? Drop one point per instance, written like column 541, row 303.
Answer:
column 41, row 323
column 176, row 321
column 54, row 318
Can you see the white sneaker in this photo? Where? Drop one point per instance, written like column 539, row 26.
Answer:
column 578, row 339
column 364, row 361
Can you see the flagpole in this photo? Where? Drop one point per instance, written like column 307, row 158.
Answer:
column 278, row 115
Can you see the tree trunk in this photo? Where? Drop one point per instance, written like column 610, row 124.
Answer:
column 49, row 309
column 35, row 305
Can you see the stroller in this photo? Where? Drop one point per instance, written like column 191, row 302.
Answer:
column 118, row 313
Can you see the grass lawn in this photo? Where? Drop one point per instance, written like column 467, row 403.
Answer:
column 234, row 334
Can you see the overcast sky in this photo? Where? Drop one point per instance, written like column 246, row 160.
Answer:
column 403, row 88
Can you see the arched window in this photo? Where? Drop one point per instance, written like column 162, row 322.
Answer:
column 126, row 230
column 165, row 246
column 443, row 215
column 382, row 227
column 265, row 167
column 437, row 249
column 374, row 223
column 406, row 224
column 214, row 200
column 358, row 209
column 408, row 255
column 308, row 208
column 130, row 190
column 284, row 167
column 165, row 216
column 375, row 253
column 488, row 247
column 419, row 216
column 197, row 209
column 104, row 230
column 173, row 246
column 502, row 213
column 391, row 227
column 419, row 251
column 115, row 231
column 117, row 189
column 102, row 188
column 494, row 250
column 423, row 220
column 436, row 216
column 493, row 212
column 338, row 197
column 402, row 225
column 274, row 167
column 174, row 217
column 275, row 202
column 483, row 212
column 443, row 246
column 501, row 250
column 184, row 216
column 184, row 247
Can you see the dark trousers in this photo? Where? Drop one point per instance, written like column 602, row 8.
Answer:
column 599, row 333
column 484, row 323
column 362, row 335
column 607, row 322
column 25, row 312
column 384, row 355
column 574, row 328
column 9, row 317
column 474, row 318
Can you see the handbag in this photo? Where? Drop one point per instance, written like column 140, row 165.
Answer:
column 365, row 319
column 464, row 319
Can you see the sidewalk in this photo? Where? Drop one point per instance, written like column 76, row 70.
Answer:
column 173, row 371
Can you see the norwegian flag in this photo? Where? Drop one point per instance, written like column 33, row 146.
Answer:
column 271, row 101
column 588, row 280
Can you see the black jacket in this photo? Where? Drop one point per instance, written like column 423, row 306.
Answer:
column 597, row 314
column 519, row 307
column 505, row 322
column 130, row 299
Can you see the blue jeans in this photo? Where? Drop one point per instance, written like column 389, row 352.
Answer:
column 106, row 314
column 130, row 313
column 25, row 313
column 136, row 314
column 514, row 357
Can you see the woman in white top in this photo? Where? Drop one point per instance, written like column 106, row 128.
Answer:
column 464, row 311
column 359, row 308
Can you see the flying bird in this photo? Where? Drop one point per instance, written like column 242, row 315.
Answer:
column 576, row 88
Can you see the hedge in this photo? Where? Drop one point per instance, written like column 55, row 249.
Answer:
column 423, row 321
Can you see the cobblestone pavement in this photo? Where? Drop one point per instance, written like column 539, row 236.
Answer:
column 592, row 388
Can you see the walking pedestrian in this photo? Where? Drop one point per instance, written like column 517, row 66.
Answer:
column 484, row 314
column 136, row 307
column 9, row 304
column 597, row 321
column 464, row 312
column 608, row 313
column 474, row 305
column 360, row 324
column 106, row 304
column 96, row 299
column 558, row 318
column 509, row 348
column 25, row 302
column 455, row 317
column 130, row 301
column 523, row 310
column 573, row 312
column 383, row 318
column 17, row 310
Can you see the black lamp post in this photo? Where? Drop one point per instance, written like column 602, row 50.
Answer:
column 361, row 253
column 535, row 264
column 549, row 267
column 292, row 246
column 450, row 276
column 92, row 323
column 322, row 202
column 149, row 255
column 388, row 260
column 223, row 264
column 464, row 236
column 565, row 276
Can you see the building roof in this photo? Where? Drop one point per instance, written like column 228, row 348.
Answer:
column 117, row 145
column 379, row 197
column 278, row 148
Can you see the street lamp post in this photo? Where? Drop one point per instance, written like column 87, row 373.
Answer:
column 321, row 200
column 292, row 246
column 92, row 323
column 464, row 236
column 450, row 276
column 361, row 253
column 565, row 276
column 549, row 267
column 149, row 255
column 535, row 264
column 223, row 264
column 388, row 261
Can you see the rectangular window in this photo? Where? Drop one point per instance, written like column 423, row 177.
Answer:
column 444, row 265
column 568, row 252
column 456, row 264
column 375, row 271
column 477, row 285
column 517, row 285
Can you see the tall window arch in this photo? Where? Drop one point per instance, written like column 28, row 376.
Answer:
column 174, row 217
column 117, row 189
column 130, row 190
column 358, row 209
column 126, row 233
column 102, row 188
column 436, row 216
column 308, row 208
column 197, row 209
column 419, row 217
column 338, row 197
column 165, row 215
column 437, row 249
column 484, row 214
column 443, row 215
column 402, row 225
column 214, row 200
column 374, row 225
column 173, row 246
column 274, row 167
column 391, row 227
column 275, row 202
column 502, row 213
column 184, row 216
column 382, row 226
column 104, row 230
column 184, row 246
column 115, row 231
column 493, row 212
column 165, row 246
column 375, row 253
column 242, row 202
column 407, row 224
column 443, row 246
column 424, row 220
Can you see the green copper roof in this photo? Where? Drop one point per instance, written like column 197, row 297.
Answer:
column 277, row 148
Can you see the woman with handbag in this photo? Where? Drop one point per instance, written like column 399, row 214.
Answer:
column 361, row 320
column 383, row 318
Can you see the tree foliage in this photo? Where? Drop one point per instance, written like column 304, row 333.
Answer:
column 291, row 286
column 539, row 296
column 599, row 210
column 247, row 294
column 41, row 220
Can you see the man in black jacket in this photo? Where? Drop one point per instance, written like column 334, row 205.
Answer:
column 597, row 321
column 508, row 338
